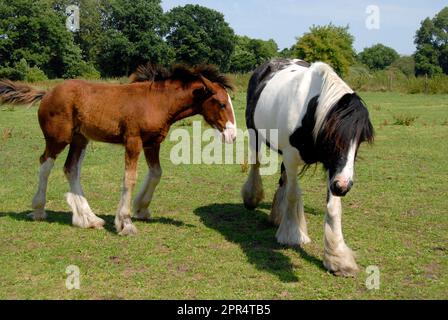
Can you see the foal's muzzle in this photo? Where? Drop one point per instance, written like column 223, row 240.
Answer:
column 340, row 189
column 229, row 133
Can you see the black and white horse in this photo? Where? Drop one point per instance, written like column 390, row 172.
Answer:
column 319, row 120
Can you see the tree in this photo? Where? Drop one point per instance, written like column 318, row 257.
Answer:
column 32, row 31
column 287, row 53
column 405, row 64
column 378, row 57
column 431, row 39
column 331, row 44
column 133, row 35
column 200, row 35
column 91, row 24
column 250, row 53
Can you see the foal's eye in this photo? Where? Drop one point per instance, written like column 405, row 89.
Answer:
column 222, row 106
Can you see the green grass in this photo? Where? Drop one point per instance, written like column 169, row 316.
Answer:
column 202, row 243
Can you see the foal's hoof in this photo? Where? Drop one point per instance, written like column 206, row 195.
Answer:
column 38, row 215
column 142, row 215
column 128, row 230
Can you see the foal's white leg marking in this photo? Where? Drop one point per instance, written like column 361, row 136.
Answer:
column 123, row 222
column 83, row 216
column 40, row 197
column 289, row 232
column 145, row 195
column 338, row 257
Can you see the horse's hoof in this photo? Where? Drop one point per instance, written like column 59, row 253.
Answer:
column 342, row 265
column 97, row 224
column 38, row 215
column 128, row 230
column 142, row 215
column 88, row 222
column 304, row 240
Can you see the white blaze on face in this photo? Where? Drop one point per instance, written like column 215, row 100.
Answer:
column 229, row 133
column 346, row 176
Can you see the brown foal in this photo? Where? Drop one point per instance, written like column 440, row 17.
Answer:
column 137, row 115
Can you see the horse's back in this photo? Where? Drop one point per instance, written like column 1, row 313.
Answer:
column 273, row 100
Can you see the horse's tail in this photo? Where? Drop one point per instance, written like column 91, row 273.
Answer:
column 19, row 93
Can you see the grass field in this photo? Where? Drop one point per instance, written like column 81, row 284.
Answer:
column 203, row 244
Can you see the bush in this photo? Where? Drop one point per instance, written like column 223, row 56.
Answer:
column 23, row 72
column 393, row 79
column 34, row 74
column 11, row 74
column 89, row 72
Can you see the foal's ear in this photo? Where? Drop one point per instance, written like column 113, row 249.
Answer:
column 205, row 91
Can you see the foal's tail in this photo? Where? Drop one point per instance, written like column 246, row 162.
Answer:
column 19, row 93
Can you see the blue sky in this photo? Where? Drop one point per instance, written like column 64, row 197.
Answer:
column 284, row 20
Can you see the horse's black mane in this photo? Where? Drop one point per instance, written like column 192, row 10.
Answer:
column 152, row 72
column 348, row 120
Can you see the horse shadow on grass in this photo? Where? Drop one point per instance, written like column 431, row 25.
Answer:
column 65, row 218
column 255, row 234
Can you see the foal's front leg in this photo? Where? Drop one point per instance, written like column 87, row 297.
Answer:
column 144, row 197
column 123, row 221
column 338, row 257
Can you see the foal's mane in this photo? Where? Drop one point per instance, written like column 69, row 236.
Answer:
column 152, row 72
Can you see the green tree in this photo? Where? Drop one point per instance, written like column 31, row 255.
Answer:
column 91, row 23
column 378, row 57
column 200, row 35
column 32, row 31
column 431, row 39
column 405, row 64
column 331, row 44
column 249, row 53
column 133, row 35
column 286, row 53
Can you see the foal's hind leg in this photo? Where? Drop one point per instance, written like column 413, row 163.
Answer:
column 252, row 191
column 292, row 230
column 47, row 160
column 144, row 197
column 83, row 216
column 123, row 221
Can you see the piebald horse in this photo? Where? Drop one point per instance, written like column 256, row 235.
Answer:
column 319, row 120
column 136, row 115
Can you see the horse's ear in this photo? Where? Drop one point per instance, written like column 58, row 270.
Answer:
column 206, row 91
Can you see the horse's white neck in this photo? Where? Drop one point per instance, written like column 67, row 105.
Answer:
column 332, row 89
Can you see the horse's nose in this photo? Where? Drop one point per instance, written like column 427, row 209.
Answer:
column 340, row 189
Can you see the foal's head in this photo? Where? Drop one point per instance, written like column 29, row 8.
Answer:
column 209, row 93
column 215, row 105
column 347, row 125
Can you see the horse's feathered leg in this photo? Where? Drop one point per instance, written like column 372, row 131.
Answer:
column 252, row 191
column 145, row 195
column 83, row 216
column 338, row 257
column 287, row 209
column 123, row 221
column 279, row 200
